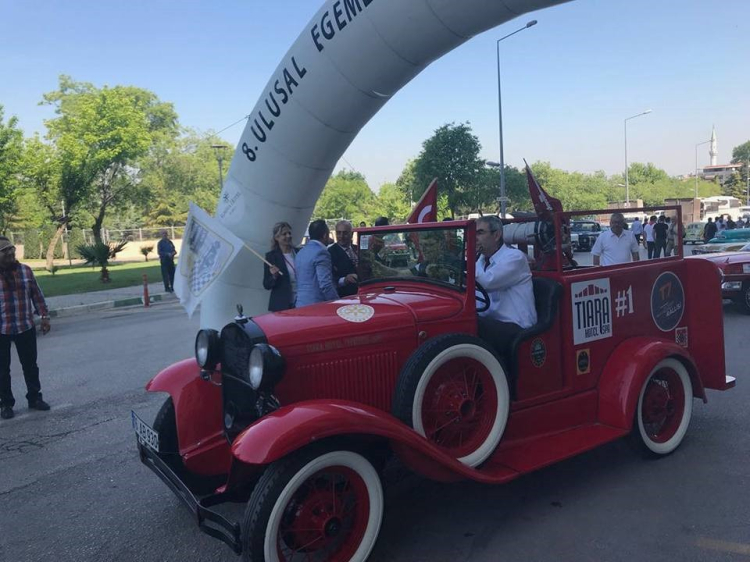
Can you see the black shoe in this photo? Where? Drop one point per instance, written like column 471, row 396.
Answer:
column 6, row 412
column 39, row 404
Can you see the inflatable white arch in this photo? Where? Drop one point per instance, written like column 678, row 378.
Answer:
column 346, row 64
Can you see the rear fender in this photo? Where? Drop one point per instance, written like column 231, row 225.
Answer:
column 295, row 426
column 626, row 371
column 199, row 413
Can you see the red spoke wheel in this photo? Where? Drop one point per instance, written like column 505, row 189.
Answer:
column 665, row 406
column 454, row 392
column 314, row 507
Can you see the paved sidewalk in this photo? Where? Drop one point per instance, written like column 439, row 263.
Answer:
column 68, row 305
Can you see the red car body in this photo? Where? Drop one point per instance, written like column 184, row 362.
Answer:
column 574, row 385
column 735, row 272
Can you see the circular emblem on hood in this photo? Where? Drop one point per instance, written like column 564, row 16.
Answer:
column 356, row 312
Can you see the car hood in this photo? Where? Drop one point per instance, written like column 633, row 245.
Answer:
column 726, row 247
column 725, row 258
column 376, row 313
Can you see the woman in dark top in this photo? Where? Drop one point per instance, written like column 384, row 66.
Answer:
column 281, row 277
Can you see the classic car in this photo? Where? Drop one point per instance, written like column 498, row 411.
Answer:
column 735, row 271
column 694, row 233
column 295, row 412
column 583, row 234
column 725, row 241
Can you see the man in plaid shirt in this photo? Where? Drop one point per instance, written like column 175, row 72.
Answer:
column 20, row 297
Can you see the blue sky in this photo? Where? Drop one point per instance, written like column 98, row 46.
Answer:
column 568, row 83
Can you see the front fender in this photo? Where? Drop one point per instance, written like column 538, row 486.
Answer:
column 295, row 426
column 198, row 409
column 626, row 371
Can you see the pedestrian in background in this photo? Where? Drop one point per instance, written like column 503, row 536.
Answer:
column 314, row 269
column 281, row 276
column 637, row 230
column 671, row 237
column 661, row 228
column 20, row 299
column 648, row 236
column 166, row 250
column 709, row 231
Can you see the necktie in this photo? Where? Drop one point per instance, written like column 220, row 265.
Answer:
column 486, row 264
column 352, row 256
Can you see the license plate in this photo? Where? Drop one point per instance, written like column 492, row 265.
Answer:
column 746, row 268
column 146, row 435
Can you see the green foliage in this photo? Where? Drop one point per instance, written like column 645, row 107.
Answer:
column 45, row 236
column 31, row 244
column 99, row 254
column 451, row 155
column 75, row 239
column 146, row 249
column 11, row 152
column 103, row 131
column 392, row 203
column 346, row 196
column 741, row 153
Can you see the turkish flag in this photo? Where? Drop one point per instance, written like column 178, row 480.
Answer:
column 426, row 209
column 544, row 204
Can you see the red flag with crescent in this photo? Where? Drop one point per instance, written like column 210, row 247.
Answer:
column 544, row 205
column 426, row 209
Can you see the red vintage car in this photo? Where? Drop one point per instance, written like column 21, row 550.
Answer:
column 295, row 412
column 735, row 272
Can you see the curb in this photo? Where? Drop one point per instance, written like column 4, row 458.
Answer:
column 104, row 305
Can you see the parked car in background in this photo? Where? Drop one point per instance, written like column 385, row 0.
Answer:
column 694, row 233
column 583, row 234
column 735, row 271
column 726, row 241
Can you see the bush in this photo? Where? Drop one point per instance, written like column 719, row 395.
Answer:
column 146, row 250
column 31, row 244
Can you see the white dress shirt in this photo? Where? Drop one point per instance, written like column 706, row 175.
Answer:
column 648, row 230
column 508, row 282
column 613, row 249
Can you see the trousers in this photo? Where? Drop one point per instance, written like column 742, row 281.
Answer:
column 26, row 349
column 498, row 334
column 167, row 273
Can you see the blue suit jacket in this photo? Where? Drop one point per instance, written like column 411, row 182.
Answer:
column 314, row 275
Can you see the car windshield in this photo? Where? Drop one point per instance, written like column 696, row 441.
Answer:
column 585, row 227
column 435, row 255
column 745, row 248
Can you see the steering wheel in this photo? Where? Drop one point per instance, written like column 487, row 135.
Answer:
column 483, row 298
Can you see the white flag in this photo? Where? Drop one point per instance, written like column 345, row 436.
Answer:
column 207, row 249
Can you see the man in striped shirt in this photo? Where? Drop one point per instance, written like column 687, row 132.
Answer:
column 20, row 298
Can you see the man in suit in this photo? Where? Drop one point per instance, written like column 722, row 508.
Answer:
column 344, row 260
column 314, row 269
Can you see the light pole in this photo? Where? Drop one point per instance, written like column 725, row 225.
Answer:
column 696, row 165
column 219, row 148
column 503, row 197
column 627, row 180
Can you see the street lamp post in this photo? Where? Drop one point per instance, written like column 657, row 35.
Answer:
column 503, row 197
column 696, row 165
column 219, row 149
column 627, row 179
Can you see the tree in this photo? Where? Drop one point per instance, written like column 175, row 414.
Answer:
column 451, row 155
column 346, row 195
column 175, row 173
column 741, row 153
column 392, row 203
column 99, row 254
column 108, row 129
column 11, row 153
column 60, row 177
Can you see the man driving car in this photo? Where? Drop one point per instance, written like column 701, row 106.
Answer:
column 504, row 273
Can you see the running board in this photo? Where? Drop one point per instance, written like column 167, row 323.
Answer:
column 533, row 454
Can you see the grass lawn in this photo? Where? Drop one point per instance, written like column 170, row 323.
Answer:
column 83, row 279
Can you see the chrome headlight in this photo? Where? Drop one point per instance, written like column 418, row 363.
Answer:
column 266, row 367
column 207, row 349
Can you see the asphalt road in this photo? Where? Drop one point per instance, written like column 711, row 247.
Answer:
column 72, row 488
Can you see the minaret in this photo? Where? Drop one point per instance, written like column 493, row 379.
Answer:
column 713, row 152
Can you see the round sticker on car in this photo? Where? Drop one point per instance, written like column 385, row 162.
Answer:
column 356, row 312
column 667, row 301
column 538, row 352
